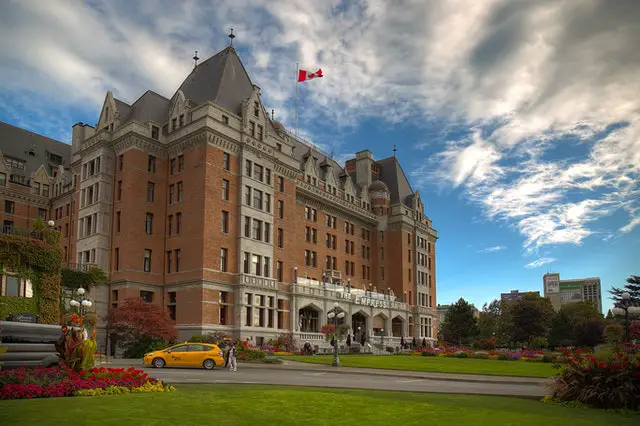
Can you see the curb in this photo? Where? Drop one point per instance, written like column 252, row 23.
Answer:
column 504, row 395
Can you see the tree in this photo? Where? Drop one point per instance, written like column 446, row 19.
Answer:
column 570, row 316
column 589, row 333
column 531, row 317
column 488, row 320
column 459, row 324
column 634, row 329
column 136, row 319
column 632, row 287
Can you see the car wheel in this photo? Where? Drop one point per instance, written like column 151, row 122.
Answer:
column 208, row 364
column 158, row 362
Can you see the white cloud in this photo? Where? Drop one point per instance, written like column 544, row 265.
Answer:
column 492, row 249
column 539, row 262
column 519, row 77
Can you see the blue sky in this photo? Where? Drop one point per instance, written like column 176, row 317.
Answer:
column 519, row 122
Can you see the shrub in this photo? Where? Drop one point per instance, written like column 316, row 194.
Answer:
column 480, row 355
column 429, row 353
column 390, row 349
column 503, row 357
column 612, row 384
column 245, row 354
column 547, row 359
column 285, row 342
column 216, row 338
column 137, row 348
column 513, row 357
column 485, row 344
column 461, row 355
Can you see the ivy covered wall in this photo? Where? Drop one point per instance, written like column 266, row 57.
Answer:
column 37, row 258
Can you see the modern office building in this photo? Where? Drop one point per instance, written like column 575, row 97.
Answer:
column 517, row 295
column 561, row 292
column 204, row 204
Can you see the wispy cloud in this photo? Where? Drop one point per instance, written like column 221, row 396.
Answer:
column 540, row 262
column 492, row 249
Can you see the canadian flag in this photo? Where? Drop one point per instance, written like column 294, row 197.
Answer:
column 304, row 75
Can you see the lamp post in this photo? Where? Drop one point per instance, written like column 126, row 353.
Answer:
column 334, row 315
column 625, row 309
column 382, row 337
column 80, row 302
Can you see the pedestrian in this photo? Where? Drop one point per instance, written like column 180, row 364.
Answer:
column 227, row 349
column 232, row 358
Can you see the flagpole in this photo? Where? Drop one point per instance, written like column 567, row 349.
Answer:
column 296, row 82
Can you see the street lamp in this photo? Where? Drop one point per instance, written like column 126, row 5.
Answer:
column 382, row 336
column 334, row 315
column 625, row 309
column 80, row 302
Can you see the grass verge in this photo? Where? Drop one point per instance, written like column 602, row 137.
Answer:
column 251, row 405
column 437, row 365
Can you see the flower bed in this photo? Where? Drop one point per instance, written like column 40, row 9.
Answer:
column 56, row 382
column 458, row 352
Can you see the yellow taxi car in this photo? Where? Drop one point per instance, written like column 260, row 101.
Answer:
column 207, row 355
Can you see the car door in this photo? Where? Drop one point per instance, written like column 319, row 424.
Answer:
column 195, row 355
column 178, row 356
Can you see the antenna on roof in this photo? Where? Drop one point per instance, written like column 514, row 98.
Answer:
column 195, row 59
column 272, row 114
column 231, row 37
column 394, row 151
column 331, row 152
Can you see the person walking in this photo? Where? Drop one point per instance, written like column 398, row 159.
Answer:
column 232, row 358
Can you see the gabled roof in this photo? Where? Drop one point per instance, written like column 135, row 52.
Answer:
column 220, row 79
column 31, row 148
column 302, row 151
column 393, row 176
column 149, row 107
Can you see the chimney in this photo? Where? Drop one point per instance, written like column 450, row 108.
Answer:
column 364, row 163
column 79, row 134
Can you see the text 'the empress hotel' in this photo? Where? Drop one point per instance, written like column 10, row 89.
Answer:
column 205, row 205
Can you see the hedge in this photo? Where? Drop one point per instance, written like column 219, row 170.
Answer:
column 17, row 305
column 38, row 260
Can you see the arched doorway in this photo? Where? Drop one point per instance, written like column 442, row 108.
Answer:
column 309, row 320
column 397, row 327
column 359, row 327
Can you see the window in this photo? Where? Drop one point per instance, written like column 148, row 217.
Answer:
column 257, row 199
column 247, row 226
column 178, row 223
column 256, row 264
column 267, row 203
column 267, row 176
column 178, row 252
column 151, row 164
column 260, row 132
column 245, row 263
column 280, row 238
column 172, row 166
column 3, row 179
column 7, row 227
column 174, row 124
column 226, row 161
column 280, row 184
column 247, row 195
column 147, row 296
column 119, row 196
column 147, row 260
column 256, row 108
column 279, row 271
column 151, row 189
column 172, row 305
column 267, row 232
column 257, row 229
column 13, row 286
column 408, row 255
column 172, row 191
column 180, row 188
column 148, row 225
column 225, row 189
column 170, row 225
column 266, row 267
column 248, row 167
column 120, row 162
column 155, row 131
column 169, row 259
column 223, row 259
column 382, row 236
column 225, row 222
column 180, row 163
column 252, row 129
column 9, row 207
column 117, row 259
column 181, row 120
column 225, row 120
column 258, row 172
column 382, row 273
column 280, row 209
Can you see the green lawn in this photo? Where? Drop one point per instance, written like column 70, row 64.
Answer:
column 438, row 364
column 270, row 405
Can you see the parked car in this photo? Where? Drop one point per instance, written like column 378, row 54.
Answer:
column 205, row 355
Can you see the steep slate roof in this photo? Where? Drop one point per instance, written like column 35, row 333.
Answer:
column 392, row 174
column 302, row 151
column 32, row 148
column 220, row 79
column 150, row 106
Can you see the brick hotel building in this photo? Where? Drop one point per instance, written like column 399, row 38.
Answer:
column 206, row 205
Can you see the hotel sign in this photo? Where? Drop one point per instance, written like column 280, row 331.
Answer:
column 365, row 301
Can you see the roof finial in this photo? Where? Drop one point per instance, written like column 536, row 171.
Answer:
column 231, row 37
column 394, row 151
column 195, row 59
column 272, row 114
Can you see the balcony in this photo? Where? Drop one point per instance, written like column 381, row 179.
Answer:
column 78, row 267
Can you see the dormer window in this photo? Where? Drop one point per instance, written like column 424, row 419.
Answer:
column 256, row 109
column 181, row 120
column 155, row 131
column 174, row 124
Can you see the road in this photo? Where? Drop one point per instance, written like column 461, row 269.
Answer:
column 266, row 376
